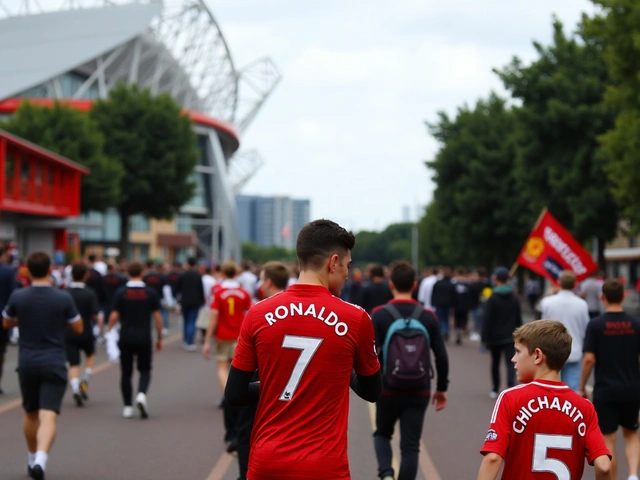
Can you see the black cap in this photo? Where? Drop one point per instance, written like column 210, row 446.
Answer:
column 501, row 273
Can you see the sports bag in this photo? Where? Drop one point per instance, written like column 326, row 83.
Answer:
column 406, row 351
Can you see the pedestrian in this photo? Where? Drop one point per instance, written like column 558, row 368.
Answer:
column 443, row 297
column 42, row 314
column 274, row 278
column 310, row 347
column 612, row 344
column 230, row 304
column 86, row 302
column 189, row 289
column 426, row 287
column 591, row 291
column 502, row 315
column 532, row 289
column 95, row 281
column 461, row 303
column 7, row 286
column 480, row 292
column 568, row 308
column 134, row 306
column 407, row 404
column 204, row 314
column 156, row 280
column 542, row 429
column 376, row 292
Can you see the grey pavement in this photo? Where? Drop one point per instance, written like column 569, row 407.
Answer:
column 183, row 438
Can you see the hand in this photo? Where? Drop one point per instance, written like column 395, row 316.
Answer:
column 206, row 348
column 584, row 394
column 440, row 400
column 159, row 345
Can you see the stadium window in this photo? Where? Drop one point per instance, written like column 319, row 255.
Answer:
column 9, row 172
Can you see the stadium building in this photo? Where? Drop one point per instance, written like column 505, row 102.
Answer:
column 77, row 55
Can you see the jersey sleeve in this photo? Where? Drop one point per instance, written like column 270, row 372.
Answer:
column 589, row 344
column 594, row 441
column 244, row 357
column 216, row 304
column 366, row 360
column 499, row 434
column 70, row 312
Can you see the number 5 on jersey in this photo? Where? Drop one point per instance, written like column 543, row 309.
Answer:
column 308, row 347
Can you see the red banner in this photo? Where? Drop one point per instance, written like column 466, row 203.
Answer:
column 550, row 249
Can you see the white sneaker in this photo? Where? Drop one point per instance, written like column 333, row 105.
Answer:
column 141, row 403
column 165, row 332
column 474, row 337
column 493, row 394
column 127, row 412
column 191, row 348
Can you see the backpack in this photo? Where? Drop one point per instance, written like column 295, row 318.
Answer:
column 406, row 351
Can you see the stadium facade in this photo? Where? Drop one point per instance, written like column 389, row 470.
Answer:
column 77, row 55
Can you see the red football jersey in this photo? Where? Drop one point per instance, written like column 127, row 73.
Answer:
column 304, row 342
column 544, row 430
column 232, row 302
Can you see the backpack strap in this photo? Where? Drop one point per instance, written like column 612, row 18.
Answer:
column 393, row 311
column 417, row 311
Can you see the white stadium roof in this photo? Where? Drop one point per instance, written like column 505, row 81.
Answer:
column 31, row 46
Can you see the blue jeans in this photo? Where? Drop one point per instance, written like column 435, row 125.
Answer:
column 476, row 314
column 570, row 375
column 164, row 313
column 189, row 315
column 443, row 317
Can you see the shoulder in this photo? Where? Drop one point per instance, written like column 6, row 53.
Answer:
column 349, row 310
column 508, row 397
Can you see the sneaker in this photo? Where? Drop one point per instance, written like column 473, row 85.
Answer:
column 77, row 396
column 191, row 348
column 493, row 394
column 388, row 477
column 29, row 471
column 474, row 337
column 37, row 473
column 232, row 446
column 220, row 403
column 165, row 332
column 127, row 412
column 141, row 403
column 84, row 389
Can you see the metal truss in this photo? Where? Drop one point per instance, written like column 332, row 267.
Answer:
column 242, row 167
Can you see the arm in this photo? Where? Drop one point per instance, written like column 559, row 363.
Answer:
column 213, row 323
column 8, row 323
column 587, row 366
column 490, row 466
column 602, row 467
column 158, row 320
column 439, row 398
column 113, row 319
column 368, row 388
column 240, row 391
column 76, row 326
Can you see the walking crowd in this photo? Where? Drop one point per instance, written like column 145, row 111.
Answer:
column 290, row 341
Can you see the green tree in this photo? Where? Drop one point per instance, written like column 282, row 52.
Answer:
column 393, row 243
column 155, row 145
column 74, row 135
column 615, row 32
column 258, row 254
column 561, row 116
column 475, row 217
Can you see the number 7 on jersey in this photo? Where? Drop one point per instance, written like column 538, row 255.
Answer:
column 308, row 347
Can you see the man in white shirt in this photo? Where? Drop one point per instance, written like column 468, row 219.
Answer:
column 426, row 288
column 572, row 311
column 248, row 280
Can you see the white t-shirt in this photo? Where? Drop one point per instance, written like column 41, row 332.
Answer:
column 572, row 311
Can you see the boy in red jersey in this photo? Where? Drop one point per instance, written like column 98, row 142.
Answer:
column 543, row 429
column 306, row 344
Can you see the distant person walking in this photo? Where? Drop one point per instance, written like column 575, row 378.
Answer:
column 612, row 344
column 376, row 292
column 7, row 286
column 43, row 315
column 426, row 288
column 443, row 298
column 571, row 310
column 591, row 291
column 191, row 293
column 502, row 315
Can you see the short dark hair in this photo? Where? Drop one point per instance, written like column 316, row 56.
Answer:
column 567, row 280
column 78, row 271
column 192, row 261
column 550, row 336
column 92, row 257
column 134, row 269
column 38, row 264
column 320, row 239
column 278, row 273
column 403, row 276
column 149, row 263
column 613, row 290
column 229, row 268
column 376, row 271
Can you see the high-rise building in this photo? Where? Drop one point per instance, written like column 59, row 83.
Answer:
column 269, row 221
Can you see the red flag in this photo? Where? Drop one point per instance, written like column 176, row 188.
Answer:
column 286, row 231
column 550, row 249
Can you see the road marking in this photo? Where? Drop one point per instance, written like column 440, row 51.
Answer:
column 100, row 368
column 221, row 467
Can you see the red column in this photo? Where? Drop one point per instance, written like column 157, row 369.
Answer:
column 60, row 239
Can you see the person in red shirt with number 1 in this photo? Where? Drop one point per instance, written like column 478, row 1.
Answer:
column 542, row 429
column 309, row 346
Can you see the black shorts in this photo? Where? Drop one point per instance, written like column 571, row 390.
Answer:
column 74, row 347
column 613, row 414
column 43, row 388
column 461, row 319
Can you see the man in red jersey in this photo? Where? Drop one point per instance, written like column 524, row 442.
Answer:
column 306, row 344
column 543, row 429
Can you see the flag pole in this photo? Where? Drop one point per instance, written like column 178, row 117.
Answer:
column 540, row 217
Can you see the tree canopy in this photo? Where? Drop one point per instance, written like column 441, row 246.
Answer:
column 74, row 135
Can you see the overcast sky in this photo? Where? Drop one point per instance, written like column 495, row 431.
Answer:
column 345, row 127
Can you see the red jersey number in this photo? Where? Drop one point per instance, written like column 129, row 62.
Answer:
column 308, row 347
column 541, row 461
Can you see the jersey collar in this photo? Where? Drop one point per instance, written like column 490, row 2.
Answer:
column 136, row 283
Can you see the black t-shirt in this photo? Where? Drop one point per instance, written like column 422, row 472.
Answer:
column 476, row 289
column 382, row 320
column 614, row 338
column 43, row 314
column 462, row 299
column 135, row 303
column 155, row 281
column 112, row 283
column 86, row 303
column 374, row 294
column 95, row 281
